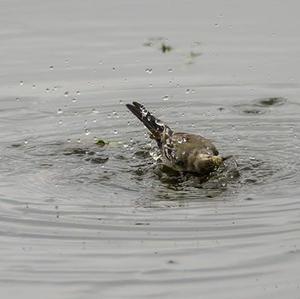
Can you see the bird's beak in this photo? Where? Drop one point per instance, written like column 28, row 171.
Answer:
column 226, row 158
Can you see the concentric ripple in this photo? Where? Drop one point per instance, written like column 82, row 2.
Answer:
column 85, row 209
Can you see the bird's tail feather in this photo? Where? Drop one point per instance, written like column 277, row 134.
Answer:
column 153, row 124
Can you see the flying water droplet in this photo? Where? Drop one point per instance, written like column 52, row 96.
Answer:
column 74, row 100
column 51, row 67
column 66, row 94
column 59, row 111
column 165, row 98
column 78, row 92
column 21, row 83
column 187, row 91
column 60, row 122
column 116, row 132
column 148, row 70
column 87, row 132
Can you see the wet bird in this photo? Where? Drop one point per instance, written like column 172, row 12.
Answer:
column 182, row 152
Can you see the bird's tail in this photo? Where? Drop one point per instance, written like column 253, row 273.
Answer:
column 153, row 124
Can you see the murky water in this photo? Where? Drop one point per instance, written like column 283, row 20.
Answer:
column 81, row 220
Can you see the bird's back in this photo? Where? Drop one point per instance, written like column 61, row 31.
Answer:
column 191, row 153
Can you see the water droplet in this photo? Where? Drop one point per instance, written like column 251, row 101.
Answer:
column 187, row 91
column 114, row 68
column 170, row 70
column 121, row 102
column 21, row 83
column 94, row 110
column 47, row 90
column 25, row 141
column 33, row 86
column 59, row 111
column 17, row 99
column 150, row 85
column 165, row 98
column 115, row 131
column 74, row 100
column 69, row 140
column 78, row 92
column 60, row 122
column 182, row 114
column 148, row 70
column 216, row 25
column 87, row 132
column 51, row 67
column 66, row 94
column 94, row 120
column 115, row 114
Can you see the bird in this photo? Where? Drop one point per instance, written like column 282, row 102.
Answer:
column 182, row 152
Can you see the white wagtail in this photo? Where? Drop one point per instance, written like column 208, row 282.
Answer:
column 183, row 152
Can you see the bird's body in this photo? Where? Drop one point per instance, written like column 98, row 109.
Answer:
column 182, row 152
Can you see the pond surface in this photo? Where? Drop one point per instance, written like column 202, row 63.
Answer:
column 81, row 220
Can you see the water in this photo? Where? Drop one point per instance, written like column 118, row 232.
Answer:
column 81, row 220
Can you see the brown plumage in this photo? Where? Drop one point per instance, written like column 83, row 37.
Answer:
column 182, row 152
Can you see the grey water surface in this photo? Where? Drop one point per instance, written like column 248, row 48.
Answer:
column 81, row 220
